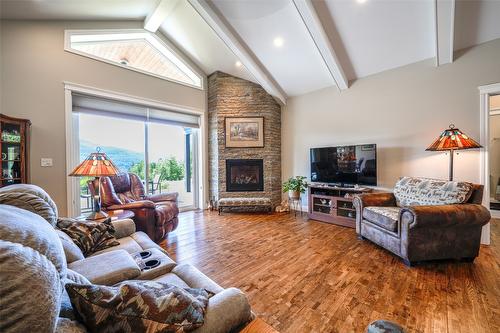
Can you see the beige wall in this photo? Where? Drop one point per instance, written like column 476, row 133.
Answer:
column 401, row 110
column 33, row 66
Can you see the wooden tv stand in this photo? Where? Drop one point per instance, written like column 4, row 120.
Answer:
column 333, row 204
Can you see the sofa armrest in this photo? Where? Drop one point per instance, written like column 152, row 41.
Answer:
column 107, row 268
column 445, row 216
column 226, row 312
column 133, row 205
column 196, row 279
column 123, row 228
column 172, row 196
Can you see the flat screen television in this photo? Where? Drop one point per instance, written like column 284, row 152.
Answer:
column 345, row 165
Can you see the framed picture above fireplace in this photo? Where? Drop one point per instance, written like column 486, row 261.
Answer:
column 244, row 132
column 244, row 175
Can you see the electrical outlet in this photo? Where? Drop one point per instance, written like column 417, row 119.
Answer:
column 46, row 162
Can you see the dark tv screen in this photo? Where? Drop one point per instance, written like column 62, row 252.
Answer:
column 345, row 165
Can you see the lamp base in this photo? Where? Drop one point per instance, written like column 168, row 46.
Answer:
column 96, row 216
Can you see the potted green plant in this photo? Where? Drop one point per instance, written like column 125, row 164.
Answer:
column 295, row 186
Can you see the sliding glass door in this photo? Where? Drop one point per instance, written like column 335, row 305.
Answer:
column 171, row 161
column 159, row 146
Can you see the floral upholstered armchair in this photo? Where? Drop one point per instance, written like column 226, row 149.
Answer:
column 424, row 219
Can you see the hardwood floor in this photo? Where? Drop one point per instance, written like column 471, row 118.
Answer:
column 308, row 276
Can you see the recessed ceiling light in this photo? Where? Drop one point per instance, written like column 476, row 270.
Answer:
column 238, row 64
column 278, row 42
column 361, row 1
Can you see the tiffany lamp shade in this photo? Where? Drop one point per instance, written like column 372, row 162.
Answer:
column 96, row 165
column 453, row 139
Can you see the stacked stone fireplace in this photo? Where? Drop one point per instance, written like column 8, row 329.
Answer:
column 243, row 172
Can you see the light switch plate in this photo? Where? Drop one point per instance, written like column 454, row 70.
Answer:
column 46, row 162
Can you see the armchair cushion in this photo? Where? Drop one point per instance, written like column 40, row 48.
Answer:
column 107, row 268
column 90, row 237
column 412, row 191
column 139, row 306
column 385, row 217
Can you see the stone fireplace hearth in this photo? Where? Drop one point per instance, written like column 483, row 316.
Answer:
column 243, row 172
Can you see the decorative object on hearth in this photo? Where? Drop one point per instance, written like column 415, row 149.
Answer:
column 453, row 139
column 96, row 165
column 283, row 207
column 244, row 132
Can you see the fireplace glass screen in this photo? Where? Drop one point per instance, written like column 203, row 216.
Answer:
column 244, row 175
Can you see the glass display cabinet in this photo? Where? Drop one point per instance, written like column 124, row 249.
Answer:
column 14, row 150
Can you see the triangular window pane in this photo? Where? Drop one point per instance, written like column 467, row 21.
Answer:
column 141, row 51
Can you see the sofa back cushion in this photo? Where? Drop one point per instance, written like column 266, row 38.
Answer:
column 72, row 252
column 32, row 198
column 415, row 191
column 30, row 290
column 31, row 230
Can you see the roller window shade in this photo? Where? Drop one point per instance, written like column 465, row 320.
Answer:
column 111, row 108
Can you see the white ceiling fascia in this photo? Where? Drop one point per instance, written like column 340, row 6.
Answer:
column 239, row 48
column 322, row 42
column 445, row 26
column 159, row 14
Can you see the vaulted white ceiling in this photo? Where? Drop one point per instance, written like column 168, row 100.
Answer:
column 356, row 38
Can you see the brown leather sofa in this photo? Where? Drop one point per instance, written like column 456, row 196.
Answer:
column 156, row 214
column 427, row 230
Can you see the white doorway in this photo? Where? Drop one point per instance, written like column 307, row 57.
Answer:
column 485, row 93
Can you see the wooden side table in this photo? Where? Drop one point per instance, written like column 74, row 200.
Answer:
column 113, row 215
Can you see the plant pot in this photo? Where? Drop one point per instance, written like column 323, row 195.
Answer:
column 295, row 195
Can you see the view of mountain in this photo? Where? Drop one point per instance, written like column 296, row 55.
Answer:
column 122, row 158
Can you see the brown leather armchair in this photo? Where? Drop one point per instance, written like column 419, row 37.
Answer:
column 427, row 232
column 155, row 214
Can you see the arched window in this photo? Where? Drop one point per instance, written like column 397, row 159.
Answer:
column 137, row 50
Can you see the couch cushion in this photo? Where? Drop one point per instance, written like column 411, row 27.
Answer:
column 173, row 279
column 139, row 306
column 71, row 251
column 413, row 191
column 90, row 237
column 107, row 268
column 144, row 241
column 126, row 243
column 31, row 230
column 32, row 198
column 385, row 217
column 30, row 289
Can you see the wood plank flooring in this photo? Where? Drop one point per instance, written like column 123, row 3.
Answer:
column 308, row 276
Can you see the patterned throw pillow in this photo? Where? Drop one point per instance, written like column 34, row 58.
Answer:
column 139, row 306
column 414, row 191
column 90, row 237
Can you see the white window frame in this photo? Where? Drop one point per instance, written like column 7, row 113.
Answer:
column 161, row 44
column 200, row 146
